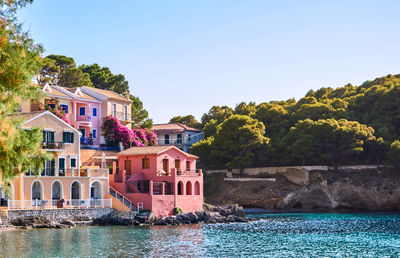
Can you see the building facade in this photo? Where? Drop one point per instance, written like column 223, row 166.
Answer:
column 62, row 177
column 160, row 177
column 85, row 108
column 179, row 135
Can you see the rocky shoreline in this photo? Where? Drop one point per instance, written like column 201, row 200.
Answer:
column 209, row 215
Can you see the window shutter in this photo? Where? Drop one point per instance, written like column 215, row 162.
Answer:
column 65, row 139
column 72, row 137
column 51, row 136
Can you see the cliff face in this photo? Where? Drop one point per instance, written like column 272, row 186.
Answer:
column 298, row 189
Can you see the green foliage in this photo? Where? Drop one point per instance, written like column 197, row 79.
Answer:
column 20, row 61
column 393, row 155
column 103, row 78
column 235, row 141
column 217, row 113
column 177, row 211
column 188, row 120
column 331, row 141
column 346, row 125
column 74, row 77
column 139, row 114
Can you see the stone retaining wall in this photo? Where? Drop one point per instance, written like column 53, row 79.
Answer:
column 280, row 170
column 57, row 215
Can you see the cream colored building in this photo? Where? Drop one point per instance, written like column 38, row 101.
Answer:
column 62, row 177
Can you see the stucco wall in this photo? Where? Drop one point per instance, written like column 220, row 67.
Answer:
column 49, row 122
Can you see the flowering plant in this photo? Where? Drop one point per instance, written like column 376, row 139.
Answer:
column 54, row 107
column 114, row 133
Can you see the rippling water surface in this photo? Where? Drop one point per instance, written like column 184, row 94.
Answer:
column 288, row 235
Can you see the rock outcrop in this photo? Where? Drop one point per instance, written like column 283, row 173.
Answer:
column 210, row 215
column 301, row 190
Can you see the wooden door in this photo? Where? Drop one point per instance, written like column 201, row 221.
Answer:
column 165, row 165
column 128, row 167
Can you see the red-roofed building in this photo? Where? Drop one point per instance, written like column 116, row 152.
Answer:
column 160, row 177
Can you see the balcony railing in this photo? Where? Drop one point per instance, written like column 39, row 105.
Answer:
column 162, row 141
column 53, row 145
column 188, row 172
column 122, row 116
column 83, row 118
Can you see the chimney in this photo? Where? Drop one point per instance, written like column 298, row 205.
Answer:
column 128, row 94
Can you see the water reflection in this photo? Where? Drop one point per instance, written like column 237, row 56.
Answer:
column 274, row 235
column 100, row 241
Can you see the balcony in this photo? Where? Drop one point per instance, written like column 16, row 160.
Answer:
column 83, row 118
column 163, row 141
column 121, row 116
column 58, row 146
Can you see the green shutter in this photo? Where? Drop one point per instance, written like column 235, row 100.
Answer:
column 53, row 164
column 72, row 137
column 65, row 139
column 51, row 136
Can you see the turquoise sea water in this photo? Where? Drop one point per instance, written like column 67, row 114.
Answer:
column 276, row 235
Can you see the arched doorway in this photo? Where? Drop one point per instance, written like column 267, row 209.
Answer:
column 56, row 191
column 36, row 190
column 188, row 188
column 197, row 188
column 95, row 191
column 180, row 188
column 75, row 191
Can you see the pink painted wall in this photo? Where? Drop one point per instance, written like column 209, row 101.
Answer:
column 95, row 120
column 163, row 205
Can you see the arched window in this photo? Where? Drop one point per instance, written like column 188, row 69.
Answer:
column 36, row 191
column 75, row 190
column 95, row 191
column 56, row 191
column 197, row 188
column 189, row 188
column 180, row 188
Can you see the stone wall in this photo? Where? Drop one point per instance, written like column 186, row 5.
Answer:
column 280, row 170
column 57, row 215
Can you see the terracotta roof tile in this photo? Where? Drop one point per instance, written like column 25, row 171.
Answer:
column 150, row 150
column 28, row 115
column 172, row 128
column 111, row 94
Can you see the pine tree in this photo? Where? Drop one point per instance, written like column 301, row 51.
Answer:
column 19, row 62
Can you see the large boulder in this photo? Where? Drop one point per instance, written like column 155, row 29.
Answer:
column 238, row 210
column 297, row 176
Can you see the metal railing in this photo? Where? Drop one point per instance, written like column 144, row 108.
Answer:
column 53, row 145
column 187, row 172
column 122, row 116
column 53, row 204
column 163, row 141
column 83, row 118
column 123, row 199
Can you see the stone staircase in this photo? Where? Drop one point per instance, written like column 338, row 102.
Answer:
column 121, row 203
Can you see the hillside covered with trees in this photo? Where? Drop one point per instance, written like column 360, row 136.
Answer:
column 346, row 125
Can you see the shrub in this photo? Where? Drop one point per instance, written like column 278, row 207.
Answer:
column 114, row 133
column 177, row 211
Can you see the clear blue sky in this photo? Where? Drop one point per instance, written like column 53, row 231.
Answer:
column 182, row 57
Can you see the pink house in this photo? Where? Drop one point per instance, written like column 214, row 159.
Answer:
column 84, row 115
column 160, row 177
